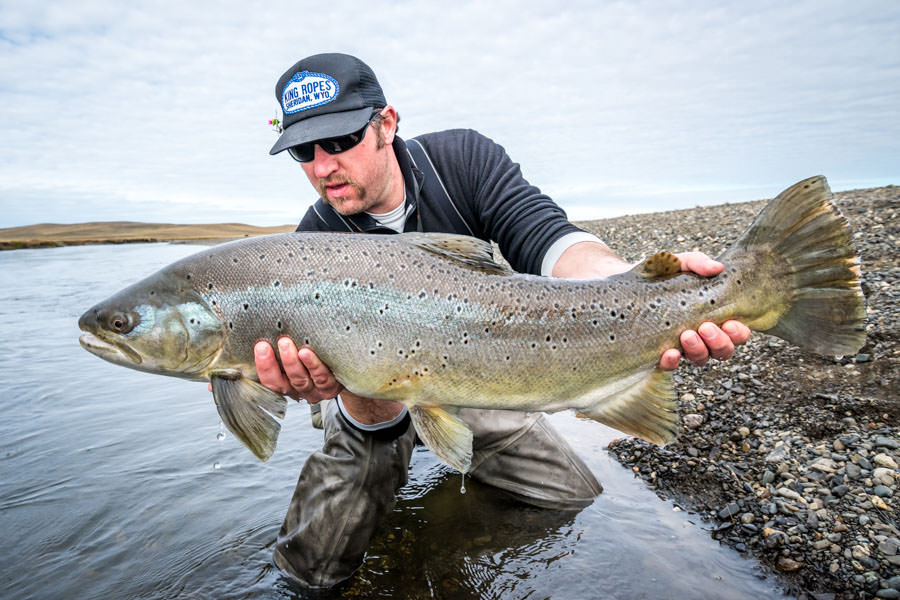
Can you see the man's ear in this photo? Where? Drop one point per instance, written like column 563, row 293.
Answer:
column 389, row 124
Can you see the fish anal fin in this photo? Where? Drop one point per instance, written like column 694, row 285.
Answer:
column 643, row 407
column 661, row 264
column 446, row 435
column 247, row 409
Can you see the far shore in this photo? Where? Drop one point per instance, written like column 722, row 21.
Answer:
column 51, row 235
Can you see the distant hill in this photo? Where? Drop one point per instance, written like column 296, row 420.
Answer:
column 122, row 232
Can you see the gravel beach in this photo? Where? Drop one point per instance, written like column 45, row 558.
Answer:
column 789, row 457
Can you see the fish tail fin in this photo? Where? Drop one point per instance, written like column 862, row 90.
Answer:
column 806, row 239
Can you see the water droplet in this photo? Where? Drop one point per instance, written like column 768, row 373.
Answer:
column 220, row 436
column 462, row 484
column 217, row 466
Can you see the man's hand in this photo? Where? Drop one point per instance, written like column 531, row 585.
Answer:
column 304, row 375
column 709, row 341
column 595, row 260
column 308, row 378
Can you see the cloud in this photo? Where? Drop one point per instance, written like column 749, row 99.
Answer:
column 109, row 110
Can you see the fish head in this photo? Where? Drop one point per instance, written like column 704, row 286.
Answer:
column 155, row 325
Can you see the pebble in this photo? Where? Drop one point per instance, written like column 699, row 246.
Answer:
column 885, row 461
column 886, row 442
column 787, row 564
column 692, row 421
column 882, row 491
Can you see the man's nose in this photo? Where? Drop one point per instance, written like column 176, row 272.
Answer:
column 324, row 164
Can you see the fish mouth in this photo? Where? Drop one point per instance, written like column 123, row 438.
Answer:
column 109, row 350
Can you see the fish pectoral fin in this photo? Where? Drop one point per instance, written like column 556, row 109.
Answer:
column 661, row 264
column 644, row 408
column 247, row 408
column 446, row 435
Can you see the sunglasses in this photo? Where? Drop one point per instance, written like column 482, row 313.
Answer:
column 307, row 152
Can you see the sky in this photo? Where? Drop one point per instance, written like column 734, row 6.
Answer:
column 158, row 111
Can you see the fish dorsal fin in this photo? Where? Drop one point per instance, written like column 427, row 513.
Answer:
column 466, row 251
column 642, row 405
column 661, row 264
column 446, row 435
column 247, row 408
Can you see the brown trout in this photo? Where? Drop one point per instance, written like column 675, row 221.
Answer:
column 432, row 321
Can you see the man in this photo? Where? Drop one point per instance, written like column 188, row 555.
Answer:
column 338, row 125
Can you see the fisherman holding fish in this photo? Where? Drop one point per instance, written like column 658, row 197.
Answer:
column 338, row 125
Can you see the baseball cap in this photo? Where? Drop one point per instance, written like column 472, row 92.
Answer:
column 324, row 96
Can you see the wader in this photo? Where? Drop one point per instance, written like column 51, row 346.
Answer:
column 349, row 487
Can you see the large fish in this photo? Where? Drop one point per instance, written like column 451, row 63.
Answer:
column 431, row 321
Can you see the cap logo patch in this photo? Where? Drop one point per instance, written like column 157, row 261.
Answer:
column 307, row 90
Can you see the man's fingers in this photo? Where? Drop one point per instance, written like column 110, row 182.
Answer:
column 268, row 369
column 694, row 348
column 699, row 263
column 737, row 331
column 670, row 359
column 717, row 341
column 295, row 370
column 321, row 375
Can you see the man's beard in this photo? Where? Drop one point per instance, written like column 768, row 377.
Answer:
column 321, row 187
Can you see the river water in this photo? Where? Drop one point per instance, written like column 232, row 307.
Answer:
column 115, row 484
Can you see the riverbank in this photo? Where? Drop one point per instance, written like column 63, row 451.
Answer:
column 49, row 235
column 789, row 457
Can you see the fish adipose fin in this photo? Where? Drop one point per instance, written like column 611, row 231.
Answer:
column 808, row 240
column 247, row 408
column 446, row 435
column 643, row 405
column 661, row 264
column 468, row 252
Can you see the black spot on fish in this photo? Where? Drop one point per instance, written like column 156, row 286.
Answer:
column 278, row 325
column 209, row 286
column 612, row 337
column 234, row 260
column 277, row 283
column 246, row 306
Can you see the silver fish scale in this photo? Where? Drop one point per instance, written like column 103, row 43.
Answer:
column 432, row 329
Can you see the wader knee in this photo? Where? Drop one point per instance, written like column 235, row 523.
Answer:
column 345, row 491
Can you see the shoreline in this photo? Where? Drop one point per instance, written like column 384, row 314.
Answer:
column 788, row 457
column 54, row 235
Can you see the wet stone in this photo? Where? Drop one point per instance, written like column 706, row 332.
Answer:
column 888, row 594
column 729, row 511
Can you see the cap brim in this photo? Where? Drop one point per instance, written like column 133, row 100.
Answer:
column 321, row 127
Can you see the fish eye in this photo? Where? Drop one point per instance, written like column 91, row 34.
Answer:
column 120, row 323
